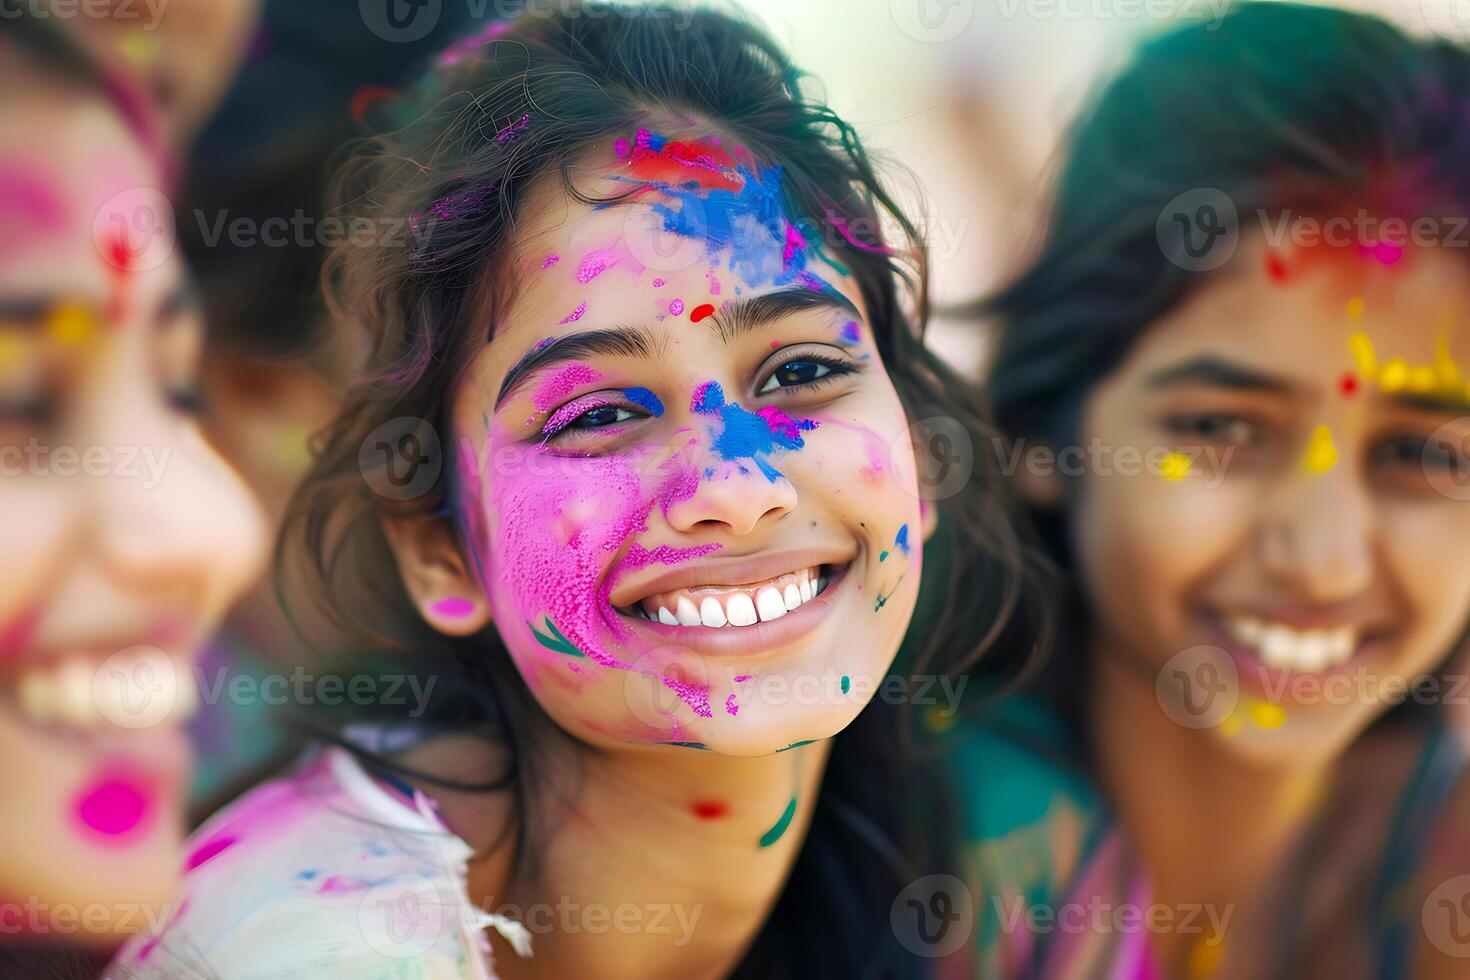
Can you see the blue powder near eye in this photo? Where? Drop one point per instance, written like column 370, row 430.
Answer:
column 849, row 333
column 644, row 399
column 747, row 435
column 901, row 540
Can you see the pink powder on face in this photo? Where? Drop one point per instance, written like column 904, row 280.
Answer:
column 621, row 148
column 15, row 636
column 115, row 807
column 575, row 315
column 596, row 262
column 783, row 424
column 794, row 243
column 714, row 282
column 676, row 307
column 731, row 708
column 337, row 884
column 657, row 283
column 563, row 383
column 453, row 608
column 550, row 261
column 28, row 203
column 208, row 851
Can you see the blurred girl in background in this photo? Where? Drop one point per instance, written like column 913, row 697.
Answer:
column 1285, row 556
column 124, row 535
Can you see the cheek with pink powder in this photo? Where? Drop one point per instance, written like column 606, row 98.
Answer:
column 116, row 808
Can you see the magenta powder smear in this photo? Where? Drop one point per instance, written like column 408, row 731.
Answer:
column 596, row 262
column 657, row 283
column 208, row 850
column 454, row 608
column 575, row 315
column 550, row 261
column 114, row 807
column 731, row 708
column 676, row 307
column 714, row 282
column 563, row 383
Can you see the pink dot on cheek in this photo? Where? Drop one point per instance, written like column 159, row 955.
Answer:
column 114, row 807
column 454, row 608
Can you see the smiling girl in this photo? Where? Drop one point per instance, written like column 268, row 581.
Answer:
column 645, row 506
column 1244, row 635
column 124, row 536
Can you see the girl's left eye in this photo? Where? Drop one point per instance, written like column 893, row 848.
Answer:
column 596, row 418
column 802, row 372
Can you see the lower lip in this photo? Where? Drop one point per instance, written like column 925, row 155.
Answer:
column 749, row 641
column 1261, row 679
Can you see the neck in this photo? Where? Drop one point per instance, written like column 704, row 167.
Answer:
column 1183, row 795
column 702, row 843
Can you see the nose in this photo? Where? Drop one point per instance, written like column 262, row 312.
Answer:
column 169, row 517
column 735, row 502
column 1318, row 536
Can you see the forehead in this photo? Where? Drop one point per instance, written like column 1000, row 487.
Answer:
column 672, row 243
column 63, row 158
column 1300, row 322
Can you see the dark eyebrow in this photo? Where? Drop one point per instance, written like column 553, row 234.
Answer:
column 1431, row 402
column 1217, row 371
column 619, row 341
column 743, row 315
column 733, row 319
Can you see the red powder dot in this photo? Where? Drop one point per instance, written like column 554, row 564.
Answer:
column 1348, row 385
column 709, row 809
column 701, row 311
column 1275, row 268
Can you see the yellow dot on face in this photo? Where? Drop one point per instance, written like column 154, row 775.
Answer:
column 70, row 325
column 1423, row 380
column 1205, row 956
column 1355, row 307
column 1364, row 355
column 1175, row 466
column 1321, row 452
column 140, row 48
column 1267, row 715
column 1394, row 376
column 1230, row 726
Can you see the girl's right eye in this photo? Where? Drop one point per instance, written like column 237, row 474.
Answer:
column 1216, row 428
column 587, row 416
column 602, row 415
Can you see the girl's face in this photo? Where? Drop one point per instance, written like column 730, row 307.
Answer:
column 686, row 487
column 123, row 535
column 1327, row 564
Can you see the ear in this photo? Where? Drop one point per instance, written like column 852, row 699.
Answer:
column 1042, row 487
column 928, row 518
column 436, row 575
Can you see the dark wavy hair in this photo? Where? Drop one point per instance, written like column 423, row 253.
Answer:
column 1280, row 106
column 561, row 83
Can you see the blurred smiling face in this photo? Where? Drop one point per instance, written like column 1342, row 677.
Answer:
column 686, row 486
column 1328, row 564
column 124, row 535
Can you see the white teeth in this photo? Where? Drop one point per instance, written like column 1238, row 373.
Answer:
column 666, row 617
column 792, row 597
column 806, row 589
column 740, row 610
column 133, row 690
column 769, row 604
column 1304, row 651
column 686, row 612
column 711, row 613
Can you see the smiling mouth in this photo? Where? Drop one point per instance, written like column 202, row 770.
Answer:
column 735, row 606
column 1282, row 647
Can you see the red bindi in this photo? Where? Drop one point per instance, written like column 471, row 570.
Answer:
column 709, row 809
column 1348, row 385
column 701, row 311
